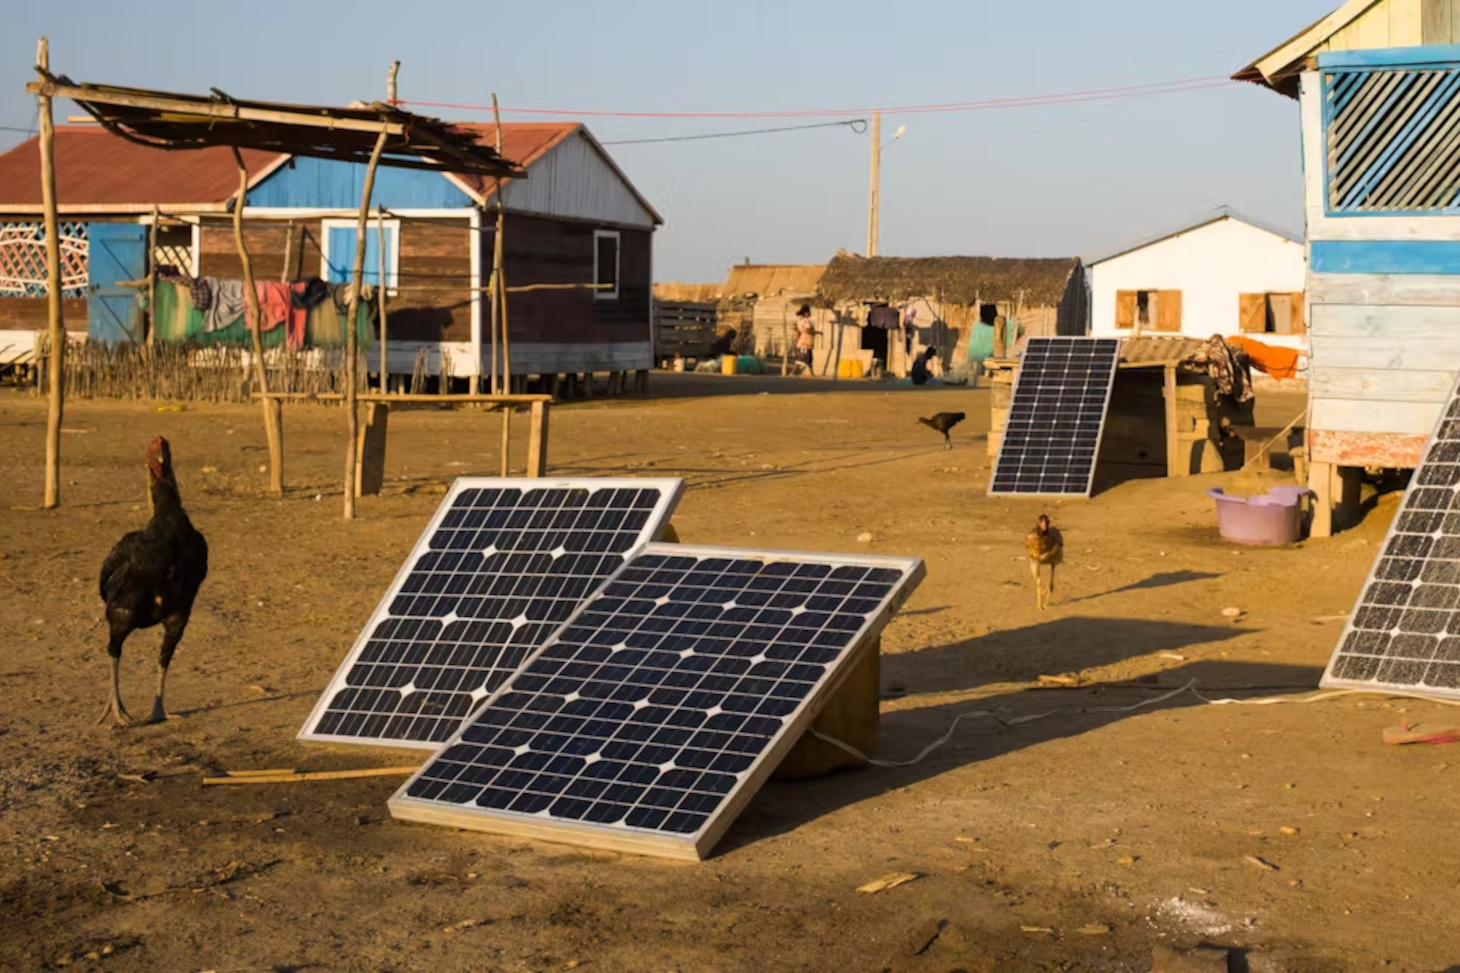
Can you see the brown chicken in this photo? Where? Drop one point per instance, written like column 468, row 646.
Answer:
column 1046, row 545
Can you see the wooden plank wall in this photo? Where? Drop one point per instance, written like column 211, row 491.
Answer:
column 1385, row 338
column 31, row 314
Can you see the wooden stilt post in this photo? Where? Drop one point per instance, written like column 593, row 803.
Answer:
column 1320, row 481
column 506, row 438
column 380, row 293
column 1174, row 463
column 497, row 264
column 537, row 441
column 253, row 319
column 55, row 325
column 352, row 338
column 151, row 265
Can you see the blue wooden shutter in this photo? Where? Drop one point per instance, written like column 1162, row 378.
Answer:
column 342, row 254
column 117, row 252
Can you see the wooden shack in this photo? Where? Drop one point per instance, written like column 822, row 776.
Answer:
column 949, row 295
column 1376, row 82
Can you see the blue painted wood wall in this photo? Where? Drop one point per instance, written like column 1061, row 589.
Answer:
column 305, row 183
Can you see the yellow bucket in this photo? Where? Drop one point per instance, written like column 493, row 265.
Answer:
column 727, row 364
column 851, row 368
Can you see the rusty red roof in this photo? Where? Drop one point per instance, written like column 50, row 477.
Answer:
column 98, row 170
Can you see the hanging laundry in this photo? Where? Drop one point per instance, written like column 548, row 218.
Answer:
column 275, row 300
column 1279, row 362
column 298, row 324
column 226, row 306
column 309, row 292
column 201, row 289
column 882, row 317
column 1230, row 376
column 341, row 293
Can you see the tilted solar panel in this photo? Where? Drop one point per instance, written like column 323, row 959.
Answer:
column 650, row 719
column 1056, row 417
column 500, row 567
column 1404, row 633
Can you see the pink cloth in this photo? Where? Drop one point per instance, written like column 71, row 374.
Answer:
column 274, row 302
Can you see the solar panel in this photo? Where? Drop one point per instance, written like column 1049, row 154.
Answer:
column 1056, row 417
column 650, row 719
column 1404, row 632
column 502, row 564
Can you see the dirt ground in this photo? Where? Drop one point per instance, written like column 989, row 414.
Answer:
column 1076, row 841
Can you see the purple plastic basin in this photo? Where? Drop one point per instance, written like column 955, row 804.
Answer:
column 1267, row 520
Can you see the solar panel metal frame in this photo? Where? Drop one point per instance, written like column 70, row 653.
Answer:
column 671, row 489
column 1099, row 436
column 1329, row 681
column 695, row 846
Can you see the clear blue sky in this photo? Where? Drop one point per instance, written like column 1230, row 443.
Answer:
column 1046, row 181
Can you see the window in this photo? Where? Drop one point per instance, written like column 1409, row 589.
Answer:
column 605, row 265
column 23, row 268
column 1148, row 310
column 337, row 260
column 177, row 247
column 1279, row 313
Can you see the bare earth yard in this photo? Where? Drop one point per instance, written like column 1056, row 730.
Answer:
column 1090, row 837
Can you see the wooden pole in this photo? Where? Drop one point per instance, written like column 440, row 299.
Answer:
column 1174, row 463
column 506, row 438
column 151, row 266
column 390, row 79
column 492, row 296
column 253, row 320
column 876, row 166
column 380, row 294
column 288, row 251
column 497, row 265
column 56, row 328
column 352, row 341
column 537, row 441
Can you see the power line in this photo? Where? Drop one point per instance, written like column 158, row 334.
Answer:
column 12, row 128
column 858, row 125
column 1087, row 94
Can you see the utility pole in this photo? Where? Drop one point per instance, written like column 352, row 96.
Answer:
column 390, row 89
column 876, row 167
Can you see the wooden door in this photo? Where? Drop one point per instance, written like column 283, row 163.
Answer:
column 1125, row 309
column 1252, row 313
column 1168, row 310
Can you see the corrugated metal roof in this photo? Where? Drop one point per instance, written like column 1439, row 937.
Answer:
column 96, row 168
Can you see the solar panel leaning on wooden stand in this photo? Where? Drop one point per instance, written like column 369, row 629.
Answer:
column 652, row 717
column 501, row 565
column 1404, row 632
column 1051, row 437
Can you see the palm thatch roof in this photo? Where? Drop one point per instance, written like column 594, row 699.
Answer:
column 959, row 280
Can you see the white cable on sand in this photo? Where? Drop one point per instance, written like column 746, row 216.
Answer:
column 1189, row 687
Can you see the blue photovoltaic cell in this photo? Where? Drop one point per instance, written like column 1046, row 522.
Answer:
column 1404, row 633
column 651, row 707
column 1052, row 435
column 501, row 567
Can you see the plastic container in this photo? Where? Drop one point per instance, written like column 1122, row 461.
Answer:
column 1268, row 520
column 850, row 368
column 727, row 364
column 748, row 365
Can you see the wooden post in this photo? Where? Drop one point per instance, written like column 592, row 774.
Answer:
column 151, row 266
column 872, row 200
column 380, row 293
column 1174, row 466
column 253, row 319
column 498, row 277
column 1349, row 493
column 55, row 326
column 288, row 251
column 372, row 449
column 1320, row 481
column 785, row 338
column 537, row 441
column 352, row 342
column 506, row 437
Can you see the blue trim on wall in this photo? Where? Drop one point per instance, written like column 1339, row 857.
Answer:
column 308, row 183
column 1391, row 57
column 1384, row 257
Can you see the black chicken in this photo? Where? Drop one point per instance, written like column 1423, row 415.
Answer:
column 151, row 578
column 943, row 422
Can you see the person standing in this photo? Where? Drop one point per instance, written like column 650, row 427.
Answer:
column 805, row 338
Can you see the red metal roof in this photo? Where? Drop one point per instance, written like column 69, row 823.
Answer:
column 95, row 168
column 99, row 170
column 522, row 142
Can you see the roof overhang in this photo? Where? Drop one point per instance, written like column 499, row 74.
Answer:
column 164, row 120
column 1280, row 67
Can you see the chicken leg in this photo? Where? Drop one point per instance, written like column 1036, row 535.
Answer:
column 1038, row 584
column 172, row 633
column 114, row 707
column 1049, row 594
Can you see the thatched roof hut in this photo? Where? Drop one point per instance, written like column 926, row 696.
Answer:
column 957, row 280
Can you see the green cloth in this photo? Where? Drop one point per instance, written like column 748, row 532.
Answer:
column 176, row 320
column 981, row 342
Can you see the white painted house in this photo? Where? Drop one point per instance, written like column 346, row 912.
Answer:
column 1223, row 274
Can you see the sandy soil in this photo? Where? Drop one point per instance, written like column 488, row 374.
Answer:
column 1077, row 841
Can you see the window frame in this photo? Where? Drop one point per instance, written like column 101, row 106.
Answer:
column 392, row 232
column 618, row 264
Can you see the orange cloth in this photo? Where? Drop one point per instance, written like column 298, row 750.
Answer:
column 274, row 302
column 1278, row 362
